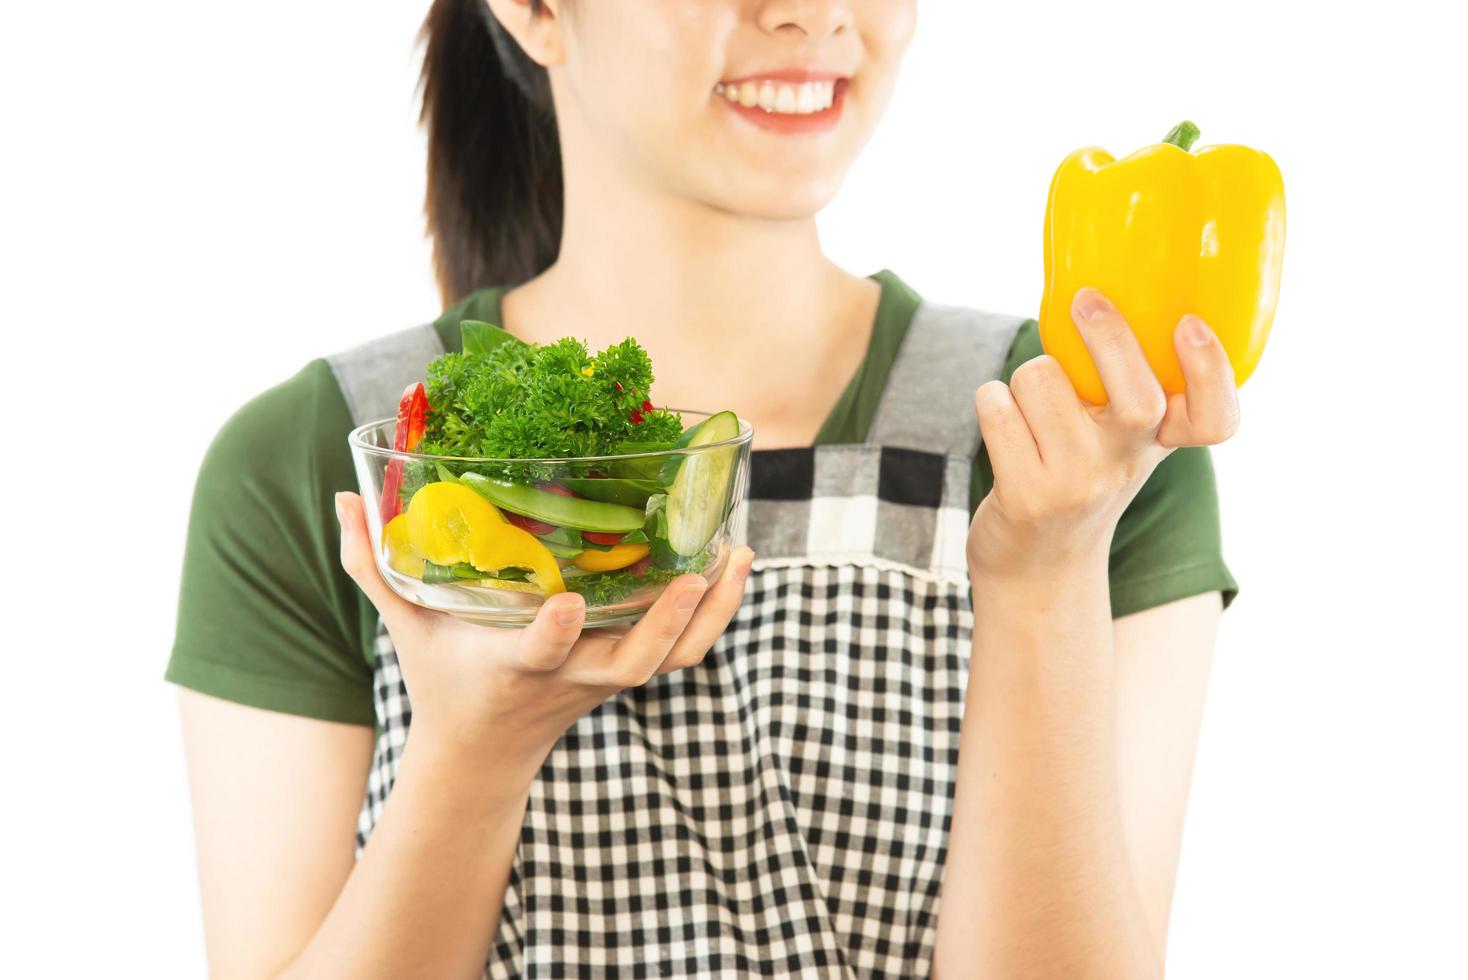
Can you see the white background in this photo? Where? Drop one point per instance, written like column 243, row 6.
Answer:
column 199, row 197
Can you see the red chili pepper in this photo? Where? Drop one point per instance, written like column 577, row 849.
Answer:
column 636, row 417
column 619, row 385
column 647, row 406
column 412, row 422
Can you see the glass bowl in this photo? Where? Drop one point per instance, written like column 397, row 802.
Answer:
column 488, row 540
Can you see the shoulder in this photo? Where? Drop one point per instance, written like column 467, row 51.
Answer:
column 295, row 412
column 266, row 616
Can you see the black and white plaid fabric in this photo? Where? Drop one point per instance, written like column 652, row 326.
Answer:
column 782, row 809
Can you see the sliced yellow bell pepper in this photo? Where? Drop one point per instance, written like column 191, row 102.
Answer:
column 448, row 523
column 1164, row 232
column 617, row 556
column 401, row 555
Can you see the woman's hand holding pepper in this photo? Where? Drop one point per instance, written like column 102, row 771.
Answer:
column 1064, row 469
column 507, row 695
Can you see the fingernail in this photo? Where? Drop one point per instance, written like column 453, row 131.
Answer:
column 1091, row 304
column 744, row 567
column 341, row 511
column 568, row 613
column 1195, row 331
column 689, row 599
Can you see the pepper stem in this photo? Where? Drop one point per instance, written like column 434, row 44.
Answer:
column 1183, row 135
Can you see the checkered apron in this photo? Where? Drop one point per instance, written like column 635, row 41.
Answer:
column 782, row 808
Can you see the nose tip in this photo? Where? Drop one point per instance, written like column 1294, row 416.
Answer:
column 813, row 18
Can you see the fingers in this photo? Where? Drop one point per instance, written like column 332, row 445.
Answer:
column 1135, row 399
column 1051, row 408
column 1208, row 413
column 712, row 616
column 1012, row 450
column 632, row 660
column 546, row 642
column 358, row 557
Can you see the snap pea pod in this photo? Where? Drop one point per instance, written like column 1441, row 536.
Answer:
column 629, row 493
column 587, row 515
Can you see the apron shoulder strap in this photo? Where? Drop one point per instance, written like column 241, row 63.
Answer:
column 372, row 376
column 928, row 402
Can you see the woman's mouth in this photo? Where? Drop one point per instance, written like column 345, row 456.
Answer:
column 785, row 105
column 801, row 98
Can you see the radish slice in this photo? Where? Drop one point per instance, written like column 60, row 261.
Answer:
column 529, row 523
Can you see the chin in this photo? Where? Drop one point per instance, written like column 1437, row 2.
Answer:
column 777, row 199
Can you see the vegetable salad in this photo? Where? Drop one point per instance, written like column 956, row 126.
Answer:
column 608, row 528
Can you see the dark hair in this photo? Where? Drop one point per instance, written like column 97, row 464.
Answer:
column 494, row 199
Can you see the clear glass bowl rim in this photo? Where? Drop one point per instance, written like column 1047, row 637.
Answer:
column 355, row 439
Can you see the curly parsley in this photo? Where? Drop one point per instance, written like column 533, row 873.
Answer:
column 503, row 398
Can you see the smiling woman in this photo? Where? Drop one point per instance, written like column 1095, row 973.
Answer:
column 964, row 660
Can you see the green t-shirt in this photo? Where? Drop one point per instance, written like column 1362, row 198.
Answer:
column 267, row 617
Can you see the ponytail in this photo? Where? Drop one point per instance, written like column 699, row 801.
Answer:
column 494, row 199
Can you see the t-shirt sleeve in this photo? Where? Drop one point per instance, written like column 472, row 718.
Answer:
column 1168, row 542
column 266, row 615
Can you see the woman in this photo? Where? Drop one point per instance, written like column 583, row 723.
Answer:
column 944, row 723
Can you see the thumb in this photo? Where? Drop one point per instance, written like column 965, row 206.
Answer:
column 358, row 557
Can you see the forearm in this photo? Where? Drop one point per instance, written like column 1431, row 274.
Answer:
column 425, row 896
column 1038, row 882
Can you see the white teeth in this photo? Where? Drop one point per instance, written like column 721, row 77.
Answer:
column 772, row 96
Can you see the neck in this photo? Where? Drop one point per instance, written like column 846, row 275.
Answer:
column 636, row 259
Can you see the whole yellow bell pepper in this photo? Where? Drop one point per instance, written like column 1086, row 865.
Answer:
column 1164, row 232
column 448, row 523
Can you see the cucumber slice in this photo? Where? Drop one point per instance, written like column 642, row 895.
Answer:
column 699, row 484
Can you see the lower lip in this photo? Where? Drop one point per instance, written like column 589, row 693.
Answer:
column 790, row 122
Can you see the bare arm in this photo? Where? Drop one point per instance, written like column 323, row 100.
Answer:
column 275, row 810
column 275, row 801
column 1074, row 770
column 1078, row 734
column 276, row 797
column 1163, row 658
